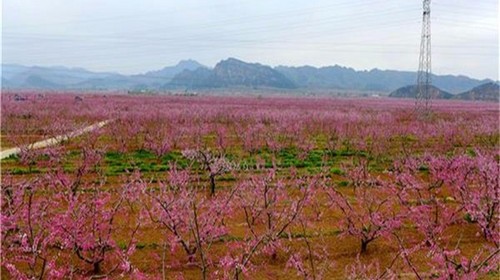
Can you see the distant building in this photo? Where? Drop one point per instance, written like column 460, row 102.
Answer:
column 18, row 97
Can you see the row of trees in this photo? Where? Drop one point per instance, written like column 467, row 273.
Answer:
column 73, row 224
column 65, row 218
column 163, row 124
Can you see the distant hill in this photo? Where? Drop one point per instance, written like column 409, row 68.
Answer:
column 233, row 73
column 36, row 81
column 156, row 79
column 199, row 78
column 227, row 73
column 411, row 92
column 170, row 71
column 339, row 77
column 485, row 92
column 36, row 77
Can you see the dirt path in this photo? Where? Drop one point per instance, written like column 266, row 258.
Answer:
column 54, row 140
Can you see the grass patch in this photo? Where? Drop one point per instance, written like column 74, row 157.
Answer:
column 12, row 158
column 337, row 171
column 24, row 171
column 343, row 183
column 145, row 161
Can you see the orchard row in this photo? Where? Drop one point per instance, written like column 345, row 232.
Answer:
column 232, row 188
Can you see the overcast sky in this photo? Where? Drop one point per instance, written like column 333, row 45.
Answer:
column 141, row 35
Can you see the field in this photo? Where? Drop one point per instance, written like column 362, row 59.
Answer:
column 249, row 188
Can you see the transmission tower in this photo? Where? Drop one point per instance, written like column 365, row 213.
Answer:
column 424, row 94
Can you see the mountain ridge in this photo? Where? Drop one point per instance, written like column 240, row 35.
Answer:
column 232, row 73
column 410, row 91
column 485, row 92
column 375, row 79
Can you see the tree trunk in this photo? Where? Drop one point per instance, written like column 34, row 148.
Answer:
column 97, row 268
column 212, row 185
column 364, row 246
column 163, row 257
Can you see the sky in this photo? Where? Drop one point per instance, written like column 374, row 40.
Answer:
column 137, row 36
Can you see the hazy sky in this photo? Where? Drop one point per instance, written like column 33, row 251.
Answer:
column 130, row 36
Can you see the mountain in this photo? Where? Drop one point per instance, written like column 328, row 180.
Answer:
column 227, row 73
column 411, row 92
column 485, row 92
column 326, row 77
column 120, row 82
column 170, row 71
column 6, row 83
column 36, row 77
column 156, row 79
column 35, row 81
column 10, row 70
column 338, row 77
column 456, row 84
column 199, row 78
column 233, row 73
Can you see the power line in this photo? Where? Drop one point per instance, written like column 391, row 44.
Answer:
column 239, row 19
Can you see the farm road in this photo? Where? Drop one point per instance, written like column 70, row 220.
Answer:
column 54, row 140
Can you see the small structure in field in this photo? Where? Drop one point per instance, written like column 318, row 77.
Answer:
column 18, row 97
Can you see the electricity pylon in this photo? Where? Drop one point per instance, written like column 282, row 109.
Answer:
column 424, row 90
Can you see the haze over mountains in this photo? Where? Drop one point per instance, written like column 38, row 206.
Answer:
column 35, row 77
column 189, row 74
